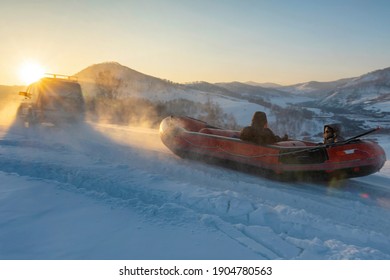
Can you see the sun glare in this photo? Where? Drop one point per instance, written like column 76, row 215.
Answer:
column 31, row 72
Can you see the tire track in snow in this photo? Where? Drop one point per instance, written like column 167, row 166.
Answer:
column 121, row 190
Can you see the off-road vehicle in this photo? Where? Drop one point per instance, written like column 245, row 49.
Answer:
column 52, row 100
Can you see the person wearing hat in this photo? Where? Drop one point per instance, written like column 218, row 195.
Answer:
column 258, row 132
column 332, row 133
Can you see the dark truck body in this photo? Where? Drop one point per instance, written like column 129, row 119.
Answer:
column 52, row 101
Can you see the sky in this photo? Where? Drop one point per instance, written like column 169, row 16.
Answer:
column 284, row 42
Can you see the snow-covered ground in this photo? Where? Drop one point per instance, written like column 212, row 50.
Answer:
column 98, row 191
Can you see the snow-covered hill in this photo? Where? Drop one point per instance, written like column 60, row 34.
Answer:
column 127, row 82
column 120, row 82
column 314, row 88
column 348, row 101
column 370, row 92
column 265, row 85
column 124, row 82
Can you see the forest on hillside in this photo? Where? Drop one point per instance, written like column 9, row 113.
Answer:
column 107, row 104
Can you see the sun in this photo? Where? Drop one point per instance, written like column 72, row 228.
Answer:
column 30, row 72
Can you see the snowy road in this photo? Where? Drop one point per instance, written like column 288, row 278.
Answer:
column 128, row 168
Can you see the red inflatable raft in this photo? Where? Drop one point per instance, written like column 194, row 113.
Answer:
column 195, row 139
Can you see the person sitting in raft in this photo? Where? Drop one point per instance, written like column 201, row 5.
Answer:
column 332, row 133
column 259, row 132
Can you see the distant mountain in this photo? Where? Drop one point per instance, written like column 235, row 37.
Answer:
column 111, row 78
column 125, row 94
column 314, row 88
column 208, row 87
column 239, row 90
column 369, row 92
column 265, row 85
column 122, row 81
column 245, row 90
column 381, row 76
column 342, row 100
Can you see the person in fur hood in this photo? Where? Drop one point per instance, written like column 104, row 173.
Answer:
column 332, row 133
